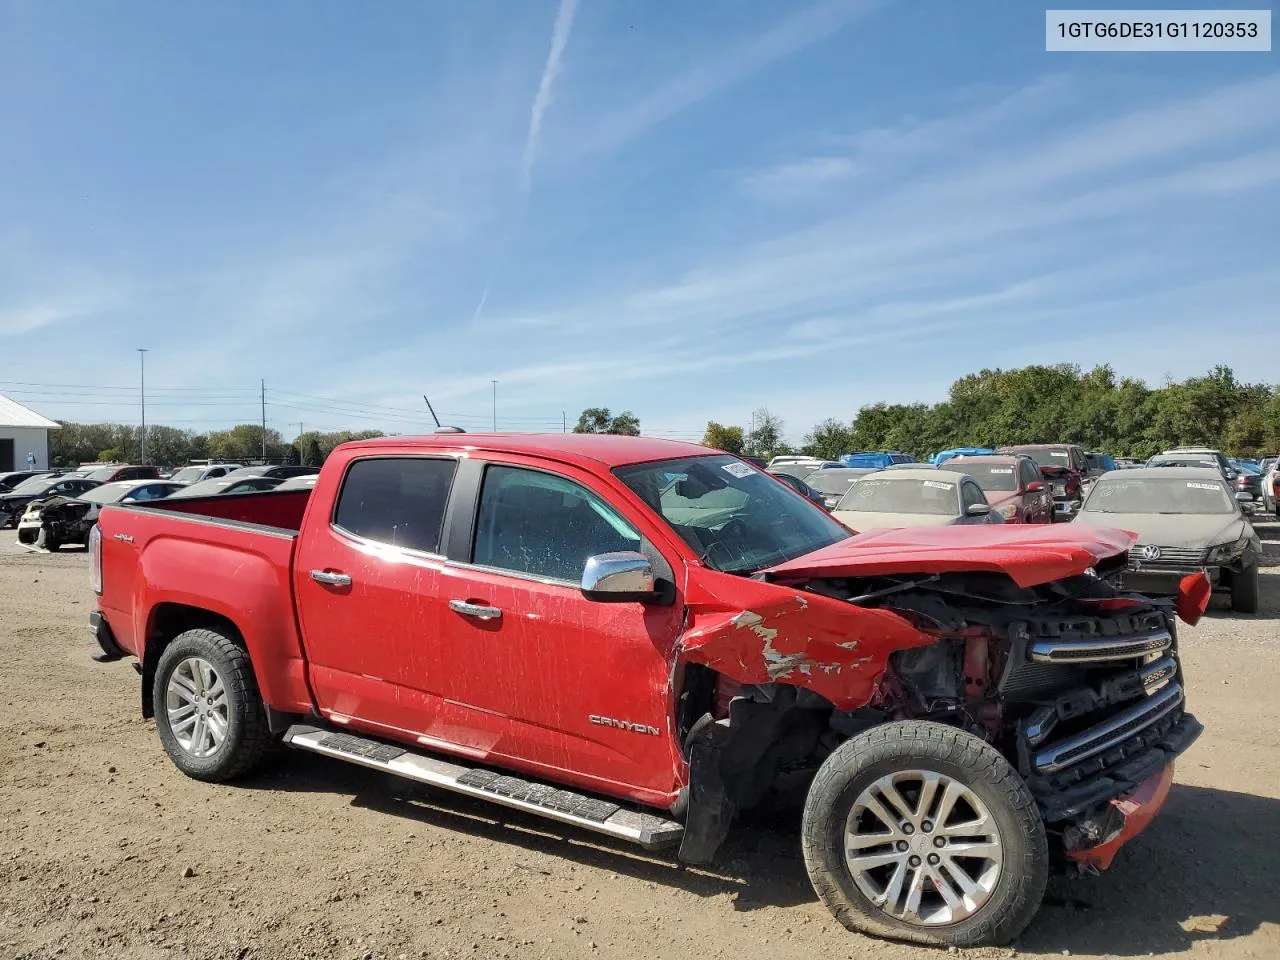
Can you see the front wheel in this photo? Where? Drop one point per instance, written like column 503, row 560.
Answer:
column 919, row 831
column 1244, row 590
column 209, row 715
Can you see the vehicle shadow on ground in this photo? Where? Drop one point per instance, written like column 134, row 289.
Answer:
column 1206, row 870
column 759, row 865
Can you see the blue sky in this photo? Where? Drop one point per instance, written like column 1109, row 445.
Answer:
column 688, row 210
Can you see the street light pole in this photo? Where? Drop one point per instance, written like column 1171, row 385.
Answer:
column 495, row 405
column 142, row 391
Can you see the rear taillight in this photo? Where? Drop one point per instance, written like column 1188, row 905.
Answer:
column 95, row 555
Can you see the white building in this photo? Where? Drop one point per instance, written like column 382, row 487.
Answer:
column 24, row 437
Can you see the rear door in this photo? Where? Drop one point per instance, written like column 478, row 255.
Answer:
column 1037, row 505
column 367, row 581
column 538, row 674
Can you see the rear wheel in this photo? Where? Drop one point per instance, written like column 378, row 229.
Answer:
column 209, row 714
column 919, row 831
column 1244, row 590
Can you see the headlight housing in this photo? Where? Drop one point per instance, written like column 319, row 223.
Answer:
column 1226, row 552
column 1008, row 511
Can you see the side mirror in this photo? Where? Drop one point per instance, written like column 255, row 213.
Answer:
column 977, row 509
column 1035, row 487
column 621, row 577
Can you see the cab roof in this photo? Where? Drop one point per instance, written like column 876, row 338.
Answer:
column 609, row 450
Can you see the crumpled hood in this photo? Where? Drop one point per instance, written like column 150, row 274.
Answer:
column 1187, row 531
column 1029, row 554
column 866, row 520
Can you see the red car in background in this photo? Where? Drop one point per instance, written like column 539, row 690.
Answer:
column 1013, row 485
column 1064, row 467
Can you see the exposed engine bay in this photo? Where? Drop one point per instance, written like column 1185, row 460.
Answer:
column 1076, row 683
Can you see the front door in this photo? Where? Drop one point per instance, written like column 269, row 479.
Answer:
column 536, row 672
column 367, row 581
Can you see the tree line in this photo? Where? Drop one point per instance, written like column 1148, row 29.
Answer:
column 78, row 443
column 1041, row 404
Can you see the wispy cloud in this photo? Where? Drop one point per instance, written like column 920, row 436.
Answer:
column 800, row 178
column 729, row 66
column 542, row 99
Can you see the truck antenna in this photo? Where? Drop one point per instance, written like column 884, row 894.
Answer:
column 431, row 410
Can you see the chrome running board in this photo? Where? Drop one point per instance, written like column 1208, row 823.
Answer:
column 648, row 830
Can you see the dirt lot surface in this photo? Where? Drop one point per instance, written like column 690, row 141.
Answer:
column 107, row 851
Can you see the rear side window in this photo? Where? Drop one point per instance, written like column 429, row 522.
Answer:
column 547, row 526
column 397, row 501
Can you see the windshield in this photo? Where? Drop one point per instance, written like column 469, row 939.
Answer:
column 107, row 493
column 1207, row 462
column 993, row 477
column 901, row 495
column 102, row 473
column 35, row 485
column 188, row 474
column 1159, row 495
column 737, row 519
column 833, row 483
column 1056, row 457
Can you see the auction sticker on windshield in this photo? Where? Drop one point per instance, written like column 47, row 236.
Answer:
column 1195, row 485
column 939, row 484
column 738, row 470
column 1000, row 470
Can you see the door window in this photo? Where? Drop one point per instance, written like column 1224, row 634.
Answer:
column 970, row 494
column 1030, row 474
column 541, row 524
column 397, row 501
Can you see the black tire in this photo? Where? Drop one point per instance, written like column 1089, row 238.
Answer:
column 246, row 739
column 1244, row 590
column 52, row 543
column 936, row 748
column 28, row 536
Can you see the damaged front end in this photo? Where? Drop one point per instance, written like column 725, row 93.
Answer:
column 1077, row 684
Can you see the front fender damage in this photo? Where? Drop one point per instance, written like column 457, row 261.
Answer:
column 766, row 633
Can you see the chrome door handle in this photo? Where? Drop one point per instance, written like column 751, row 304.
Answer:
column 477, row 610
column 330, row 579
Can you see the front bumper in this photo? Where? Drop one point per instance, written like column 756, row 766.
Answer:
column 1129, row 814
column 1065, row 509
column 1165, row 581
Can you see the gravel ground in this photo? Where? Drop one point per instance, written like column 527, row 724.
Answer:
column 107, row 851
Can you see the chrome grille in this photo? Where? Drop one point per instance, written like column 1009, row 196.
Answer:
column 1098, row 651
column 1107, row 734
column 1168, row 556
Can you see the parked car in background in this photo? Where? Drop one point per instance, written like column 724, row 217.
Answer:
column 831, row 485
column 1012, row 485
column 10, row 480
column 13, row 503
column 942, row 456
column 65, row 519
column 1193, row 456
column 206, row 471
column 308, row 482
column 913, row 498
column 1098, row 464
column 1187, row 520
column 278, row 471
column 111, row 472
column 1269, row 471
column 230, row 484
column 1248, row 479
column 1063, row 465
column 1128, row 463
column 874, row 459
column 800, row 467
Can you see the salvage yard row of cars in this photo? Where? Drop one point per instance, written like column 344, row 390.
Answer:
column 53, row 509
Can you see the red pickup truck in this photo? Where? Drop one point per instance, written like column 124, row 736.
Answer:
column 641, row 638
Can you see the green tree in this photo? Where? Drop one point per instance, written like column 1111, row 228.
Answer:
column 720, row 437
column 312, row 457
column 829, row 440
column 601, row 420
column 765, row 437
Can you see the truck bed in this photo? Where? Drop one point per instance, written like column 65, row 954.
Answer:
column 280, row 511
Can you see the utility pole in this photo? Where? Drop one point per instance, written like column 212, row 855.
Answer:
column 264, row 420
column 495, row 405
column 300, row 431
column 142, row 391
column 564, row 422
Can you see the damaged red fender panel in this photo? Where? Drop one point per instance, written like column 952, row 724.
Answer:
column 1028, row 554
column 757, row 632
